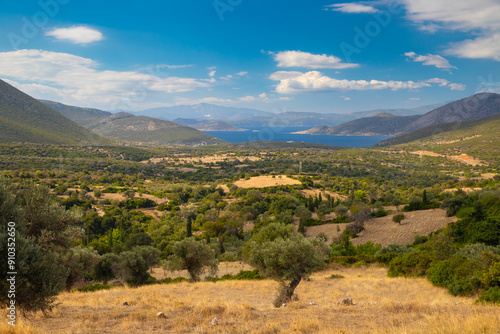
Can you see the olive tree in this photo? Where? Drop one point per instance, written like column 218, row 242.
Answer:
column 287, row 258
column 43, row 230
column 105, row 267
column 190, row 255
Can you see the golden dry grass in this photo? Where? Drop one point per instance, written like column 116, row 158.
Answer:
column 384, row 231
column 266, row 181
column 382, row 305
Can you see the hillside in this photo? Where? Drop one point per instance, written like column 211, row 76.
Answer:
column 434, row 130
column 84, row 116
column 143, row 129
column 478, row 139
column 381, row 124
column 25, row 119
column 478, row 106
column 472, row 108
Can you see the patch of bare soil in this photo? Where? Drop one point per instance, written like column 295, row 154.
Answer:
column 266, row 181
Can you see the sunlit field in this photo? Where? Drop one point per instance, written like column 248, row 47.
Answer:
column 381, row 305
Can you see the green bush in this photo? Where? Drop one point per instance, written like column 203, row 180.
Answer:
column 410, row 264
column 492, row 295
column 168, row 280
column 459, row 275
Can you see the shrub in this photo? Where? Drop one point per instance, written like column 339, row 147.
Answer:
column 410, row 264
column 492, row 295
column 491, row 278
column 457, row 274
column 394, row 248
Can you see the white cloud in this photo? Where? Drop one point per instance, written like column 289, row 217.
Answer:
column 480, row 17
column 242, row 73
column 73, row 79
column 352, row 8
column 414, row 99
column 430, row 60
column 211, row 72
column 309, row 60
column 480, row 48
column 298, row 82
column 76, row 34
column 456, row 14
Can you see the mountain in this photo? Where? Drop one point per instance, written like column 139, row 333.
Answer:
column 380, row 124
column 83, row 116
column 241, row 117
column 130, row 128
column 435, row 130
column 25, row 119
column 142, row 129
column 216, row 126
column 474, row 107
column 203, row 111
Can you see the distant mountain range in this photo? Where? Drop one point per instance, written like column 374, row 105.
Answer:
column 127, row 127
column 475, row 107
column 241, row 117
column 209, row 125
column 25, row 119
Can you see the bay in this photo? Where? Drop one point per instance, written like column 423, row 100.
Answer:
column 284, row 134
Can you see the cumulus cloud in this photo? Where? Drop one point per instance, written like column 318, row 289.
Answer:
column 480, row 17
column 352, row 8
column 242, row 73
column 74, row 79
column 430, row 60
column 76, row 34
column 298, row 82
column 309, row 60
column 487, row 47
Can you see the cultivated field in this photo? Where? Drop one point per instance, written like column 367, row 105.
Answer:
column 381, row 305
column 384, row 231
column 266, row 181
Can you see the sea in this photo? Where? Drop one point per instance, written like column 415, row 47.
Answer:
column 285, row 134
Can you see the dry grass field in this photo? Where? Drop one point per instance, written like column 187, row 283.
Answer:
column 381, row 305
column 266, row 181
column 384, row 231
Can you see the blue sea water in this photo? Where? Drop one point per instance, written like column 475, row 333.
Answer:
column 284, row 134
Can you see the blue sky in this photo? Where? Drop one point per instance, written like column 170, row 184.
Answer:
column 319, row 56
